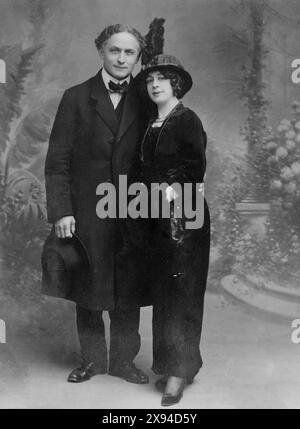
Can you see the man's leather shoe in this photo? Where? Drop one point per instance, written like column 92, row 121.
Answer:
column 84, row 373
column 130, row 373
column 170, row 399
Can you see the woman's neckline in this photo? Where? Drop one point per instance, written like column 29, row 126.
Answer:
column 157, row 123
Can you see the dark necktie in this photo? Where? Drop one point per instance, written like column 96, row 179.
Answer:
column 118, row 87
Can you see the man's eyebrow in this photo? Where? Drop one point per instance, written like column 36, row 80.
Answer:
column 114, row 47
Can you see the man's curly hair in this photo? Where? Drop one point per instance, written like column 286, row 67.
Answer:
column 119, row 28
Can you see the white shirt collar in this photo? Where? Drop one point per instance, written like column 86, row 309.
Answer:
column 107, row 77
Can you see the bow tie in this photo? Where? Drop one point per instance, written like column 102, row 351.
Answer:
column 118, row 87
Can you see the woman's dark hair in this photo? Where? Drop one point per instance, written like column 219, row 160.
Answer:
column 175, row 78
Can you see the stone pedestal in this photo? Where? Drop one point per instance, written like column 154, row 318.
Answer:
column 255, row 213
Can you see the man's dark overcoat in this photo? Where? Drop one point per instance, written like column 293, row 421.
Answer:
column 88, row 146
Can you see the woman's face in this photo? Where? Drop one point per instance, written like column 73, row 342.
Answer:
column 159, row 88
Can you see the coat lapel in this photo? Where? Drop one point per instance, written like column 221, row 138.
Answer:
column 104, row 105
column 130, row 109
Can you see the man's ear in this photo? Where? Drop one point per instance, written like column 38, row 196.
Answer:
column 100, row 53
column 138, row 57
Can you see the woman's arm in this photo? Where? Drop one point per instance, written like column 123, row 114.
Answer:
column 190, row 162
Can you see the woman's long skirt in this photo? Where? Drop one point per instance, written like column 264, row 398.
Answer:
column 180, row 275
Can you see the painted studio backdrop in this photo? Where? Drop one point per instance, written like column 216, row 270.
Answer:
column 240, row 56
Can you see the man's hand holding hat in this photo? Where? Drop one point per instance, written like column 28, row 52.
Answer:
column 65, row 227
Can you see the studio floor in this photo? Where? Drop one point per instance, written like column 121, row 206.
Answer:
column 250, row 361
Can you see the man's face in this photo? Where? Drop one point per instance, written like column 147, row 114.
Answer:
column 120, row 54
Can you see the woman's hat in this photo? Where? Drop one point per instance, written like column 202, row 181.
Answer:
column 168, row 62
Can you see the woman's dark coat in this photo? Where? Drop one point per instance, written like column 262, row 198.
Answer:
column 87, row 147
column 179, row 157
column 179, row 256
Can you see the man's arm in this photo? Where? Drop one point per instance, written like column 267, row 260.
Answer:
column 58, row 165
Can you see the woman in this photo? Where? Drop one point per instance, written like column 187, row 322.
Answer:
column 173, row 151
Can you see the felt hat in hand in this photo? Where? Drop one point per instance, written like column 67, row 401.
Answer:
column 64, row 262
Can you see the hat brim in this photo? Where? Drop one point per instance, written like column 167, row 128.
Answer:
column 186, row 77
column 71, row 250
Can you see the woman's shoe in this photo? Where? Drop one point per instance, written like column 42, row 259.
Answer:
column 161, row 383
column 173, row 398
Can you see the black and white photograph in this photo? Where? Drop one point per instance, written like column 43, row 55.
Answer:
column 149, row 206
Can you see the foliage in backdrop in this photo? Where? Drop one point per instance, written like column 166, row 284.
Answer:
column 271, row 167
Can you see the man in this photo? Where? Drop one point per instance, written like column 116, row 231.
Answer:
column 94, row 140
